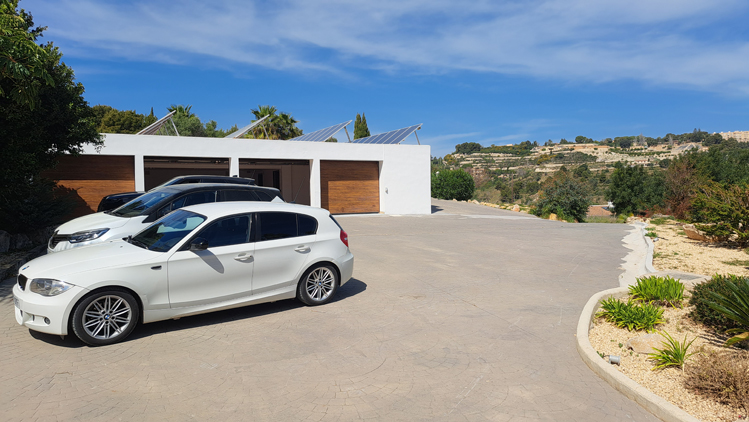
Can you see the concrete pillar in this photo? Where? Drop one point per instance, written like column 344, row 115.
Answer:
column 234, row 166
column 140, row 173
column 314, row 183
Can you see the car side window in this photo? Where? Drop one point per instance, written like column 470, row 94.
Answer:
column 307, row 225
column 227, row 231
column 194, row 198
column 239, row 195
column 276, row 225
column 264, row 196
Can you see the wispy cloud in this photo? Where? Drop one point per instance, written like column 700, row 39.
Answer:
column 451, row 137
column 673, row 42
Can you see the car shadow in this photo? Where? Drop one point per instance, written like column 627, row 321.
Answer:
column 352, row 288
column 436, row 209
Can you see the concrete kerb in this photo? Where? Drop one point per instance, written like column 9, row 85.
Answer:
column 636, row 264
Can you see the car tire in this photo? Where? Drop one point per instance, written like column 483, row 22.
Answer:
column 318, row 285
column 105, row 317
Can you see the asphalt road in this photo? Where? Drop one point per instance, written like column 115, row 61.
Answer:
column 468, row 314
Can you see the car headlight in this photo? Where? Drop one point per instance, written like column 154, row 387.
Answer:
column 48, row 286
column 87, row 235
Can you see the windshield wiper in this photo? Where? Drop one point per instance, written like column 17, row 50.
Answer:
column 136, row 242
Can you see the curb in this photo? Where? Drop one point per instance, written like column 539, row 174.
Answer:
column 656, row 405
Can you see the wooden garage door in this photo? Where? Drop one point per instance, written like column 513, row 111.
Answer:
column 94, row 177
column 350, row 186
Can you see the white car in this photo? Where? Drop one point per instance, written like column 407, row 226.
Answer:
column 197, row 259
column 147, row 208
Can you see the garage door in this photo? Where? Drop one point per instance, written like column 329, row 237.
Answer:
column 349, row 187
column 93, row 177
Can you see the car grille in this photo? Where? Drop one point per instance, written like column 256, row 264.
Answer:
column 57, row 238
column 22, row 281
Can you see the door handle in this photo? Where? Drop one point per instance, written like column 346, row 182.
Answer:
column 302, row 248
column 243, row 257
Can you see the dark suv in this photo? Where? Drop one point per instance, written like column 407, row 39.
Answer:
column 137, row 214
column 116, row 200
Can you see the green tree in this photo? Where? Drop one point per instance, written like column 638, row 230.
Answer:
column 33, row 138
column 276, row 126
column 565, row 197
column 634, row 190
column 23, row 63
column 467, row 148
column 452, row 184
column 360, row 126
column 187, row 123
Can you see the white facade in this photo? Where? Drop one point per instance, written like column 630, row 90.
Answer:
column 405, row 185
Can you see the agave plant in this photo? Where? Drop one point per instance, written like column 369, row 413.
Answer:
column 734, row 306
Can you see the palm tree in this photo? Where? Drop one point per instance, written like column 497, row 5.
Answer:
column 276, row 126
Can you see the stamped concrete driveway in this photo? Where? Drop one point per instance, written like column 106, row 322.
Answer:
column 466, row 314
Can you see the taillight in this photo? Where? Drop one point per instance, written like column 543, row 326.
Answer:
column 344, row 238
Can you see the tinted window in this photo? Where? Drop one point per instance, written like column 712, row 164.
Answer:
column 264, row 196
column 307, row 225
column 141, row 204
column 227, row 231
column 194, row 198
column 239, row 195
column 277, row 225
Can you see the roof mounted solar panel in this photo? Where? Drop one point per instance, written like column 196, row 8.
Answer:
column 322, row 134
column 244, row 130
column 156, row 126
column 392, row 137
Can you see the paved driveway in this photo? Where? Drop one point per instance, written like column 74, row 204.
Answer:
column 467, row 314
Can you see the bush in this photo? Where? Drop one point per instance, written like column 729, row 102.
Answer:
column 566, row 198
column 724, row 212
column 658, row 290
column 673, row 352
column 634, row 190
column 43, row 205
column 735, row 307
column 452, row 184
column 701, row 299
column 630, row 315
column 723, row 377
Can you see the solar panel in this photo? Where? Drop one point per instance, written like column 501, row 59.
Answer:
column 322, row 134
column 245, row 129
column 154, row 127
column 392, row 137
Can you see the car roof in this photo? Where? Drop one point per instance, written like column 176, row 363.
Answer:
column 200, row 186
column 217, row 209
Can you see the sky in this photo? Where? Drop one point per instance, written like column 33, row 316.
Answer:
column 493, row 72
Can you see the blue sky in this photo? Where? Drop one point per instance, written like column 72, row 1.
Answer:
column 492, row 72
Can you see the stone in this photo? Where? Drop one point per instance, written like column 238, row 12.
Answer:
column 4, row 241
column 553, row 217
column 695, row 234
column 21, row 241
column 516, row 208
column 646, row 343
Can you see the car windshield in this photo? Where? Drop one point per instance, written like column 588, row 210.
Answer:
column 142, row 204
column 168, row 231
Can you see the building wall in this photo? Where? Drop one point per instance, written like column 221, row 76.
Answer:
column 741, row 136
column 404, row 169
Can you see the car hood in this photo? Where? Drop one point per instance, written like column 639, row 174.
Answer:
column 99, row 220
column 115, row 253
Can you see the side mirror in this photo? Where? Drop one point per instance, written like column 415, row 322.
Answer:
column 199, row 244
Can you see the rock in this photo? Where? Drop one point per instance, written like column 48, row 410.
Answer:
column 695, row 234
column 21, row 241
column 473, row 201
column 516, row 208
column 646, row 343
column 4, row 241
column 553, row 217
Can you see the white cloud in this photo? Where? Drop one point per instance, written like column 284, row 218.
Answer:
column 660, row 42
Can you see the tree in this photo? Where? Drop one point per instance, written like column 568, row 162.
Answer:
column 276, row 126
column 634, row 190
column 60, row 122
column 187, row 123
column 467, row 148
column 582, row 140
column 111, row 120
column 22, row 62
column 360, row 126
column 565, row 197
column 563, row 141
column 452, row 184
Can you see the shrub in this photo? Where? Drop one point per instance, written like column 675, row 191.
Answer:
column 43, row 205
column 566, row 198
column 724, row 212
column 723, row 377
column 701, row 299
column 634, row 190
column 673, row 352
column 735, row 307
column 658, row 290
column 452, row 184
column 630, row 315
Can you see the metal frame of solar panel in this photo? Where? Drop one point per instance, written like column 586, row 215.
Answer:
column 241, row 132
column 322, row 134
column 154, row 127
column 392, row 137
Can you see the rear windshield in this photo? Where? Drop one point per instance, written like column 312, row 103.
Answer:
column 142, row 204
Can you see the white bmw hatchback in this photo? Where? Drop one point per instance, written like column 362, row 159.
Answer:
column 197, row 259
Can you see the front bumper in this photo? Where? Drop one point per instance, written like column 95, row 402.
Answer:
column 45, row 314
